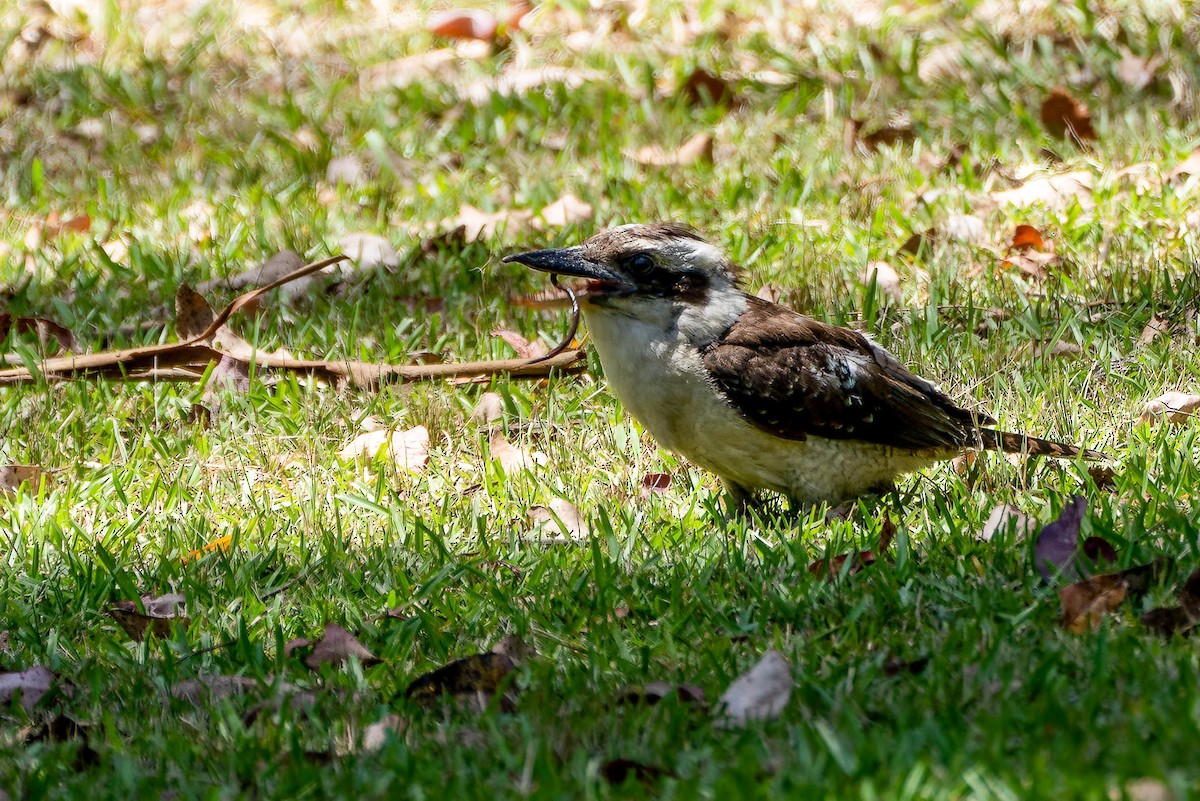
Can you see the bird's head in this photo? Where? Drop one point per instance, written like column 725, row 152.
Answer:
column 639, row 270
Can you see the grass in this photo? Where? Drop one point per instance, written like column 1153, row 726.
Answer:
column 193, row 114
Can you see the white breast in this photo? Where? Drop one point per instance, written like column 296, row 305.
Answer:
column 658, row 374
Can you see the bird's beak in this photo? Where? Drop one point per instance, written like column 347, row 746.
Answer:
column 573, row 261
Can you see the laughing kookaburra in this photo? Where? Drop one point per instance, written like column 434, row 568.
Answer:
column 762, row 396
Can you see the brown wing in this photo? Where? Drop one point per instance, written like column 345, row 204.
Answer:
column 794, row 376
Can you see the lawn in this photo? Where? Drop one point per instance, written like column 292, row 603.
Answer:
column 145, row 145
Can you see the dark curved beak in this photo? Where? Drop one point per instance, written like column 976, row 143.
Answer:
column 565, row 261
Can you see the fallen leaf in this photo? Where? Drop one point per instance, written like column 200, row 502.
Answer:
column 277, row 266
column 656, row 691
column 158, row 616
column 1158, row 326
column 920, row 243
column 887, row 281
column 1174, row 407
column 198, row 215
column 1136, row 72
column 1085, row 603
column 702, row 87
column 1143, row 790
column 655, row 484
column 29, row 685
column 1007, row 520
column 1181, row 619
column 478, row 224
column 1105, row 478
column 46, row 330
column 337, row 647
column 697, row 149
column 463, row 24
column 517, row 82
column 1030, row 253
column 1188, row 167
column 621, row 770
column 489, row 409
column 512, row 458
column 346, row 170
column 14, row 476
column 203, row 688
column 219, row 544
column 408, row 450
column 965, row 228
column 833, row 568
column 565, row 211
column 524, row 348
column 376, row 735
column 561, row 516
column 369, row 251
column 1098, row 549
column 1057, row 548
column 759, row 694
column 1063, row 115
column 471, row 681
column 1026, row 237
column 1054, row 191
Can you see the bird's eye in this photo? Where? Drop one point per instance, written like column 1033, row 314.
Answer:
column 640, row 263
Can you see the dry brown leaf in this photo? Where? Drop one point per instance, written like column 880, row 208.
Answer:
column 203, row 688
column 1188, row 167
column 1054, row 192
column 833, row 568
column 1063, row 115
column 1007, row 520
column 376, row 735
column 1174, row 407
column 408, row 450
column 463, row 24
column 1181, row 619
column 337, row 647
column 512, row 458
column 369, row 251
column 470, row 682
column 271, row 270
column 30, row 685
column 489, row 409
column 13, row 476
column 159, row 617
column 655, row 484
column 46, row 329
column 565, row 211
column 517, row 82
column 697, row 149
column 887, row 281
column 965, row 228
column 478, row 224
column 759, row 694
column 1136, row 72
column 1085, row 603
column 1158, row 326
column 702, row 87
column 346, row 170
column 562, row 517
column 524, row 348
column 656, row 691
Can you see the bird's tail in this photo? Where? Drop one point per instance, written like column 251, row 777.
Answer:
column 1034, row 446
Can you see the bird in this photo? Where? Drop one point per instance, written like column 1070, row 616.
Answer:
column 766, row 398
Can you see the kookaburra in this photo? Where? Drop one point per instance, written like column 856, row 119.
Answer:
column 762, row 396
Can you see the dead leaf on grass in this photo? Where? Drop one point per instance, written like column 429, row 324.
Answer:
column 46, row 329
column 469, row 682
column 562, row 517
column 1181, row 619
column 1174, row 407
column 653, row 692
column 1030, row 252
column 524, row 348
column 621, row 770
column 512, row 458
column 655, row 484
column 887, row 281
column 1137, row 72
column 695, row 150
column 1007, row 520
column 1063, row 115
column 567, row 210
column 832, row 568
column 478, row 224
column 517, row 82
column 348, row 170
column 759, row 694
column 1185, row 169
column 376, row 735
column 1055, row 192
column 1086, row 602
column 965, row 228
column 489, row 409
column 158, row 616
column 702, row 87
column 14, row 476
column 408, row 450
column 463, row 24
column 369, row 251
column 28, row 685
column 336, row 647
